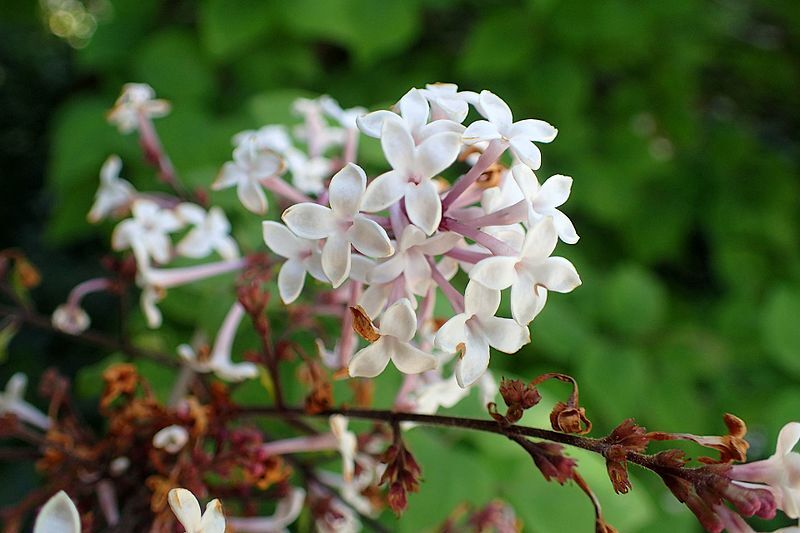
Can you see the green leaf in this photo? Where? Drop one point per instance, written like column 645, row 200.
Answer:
column 229, row 27
column 780, row 327
column 370, row 30
column 171, row 63
column 635, row 302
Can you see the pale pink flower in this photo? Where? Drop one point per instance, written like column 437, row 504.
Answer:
column 341, row 224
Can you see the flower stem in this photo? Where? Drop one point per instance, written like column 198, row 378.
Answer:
column 487, row 159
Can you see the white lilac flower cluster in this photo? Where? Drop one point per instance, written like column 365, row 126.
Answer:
column 402, row 235
column 390, row 243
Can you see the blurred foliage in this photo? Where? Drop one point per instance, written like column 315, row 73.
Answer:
column 678, row 121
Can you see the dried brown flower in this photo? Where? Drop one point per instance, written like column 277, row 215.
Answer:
column 363, row 325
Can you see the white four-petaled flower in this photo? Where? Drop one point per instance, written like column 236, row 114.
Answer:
column 413, row 111
column 500, row 126
column 398, row 326
column 341, row 224
column 409, row 258
column 136, row 102
column 530, row 274
column 543, row 200
column 475, row 330
column 303, row 256
column 211, row 232
column 147, row 233
column 447, row 102
column 412, row 169
column 251, row 165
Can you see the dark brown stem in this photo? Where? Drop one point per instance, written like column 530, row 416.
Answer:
column 599, row 446
column 92, row 337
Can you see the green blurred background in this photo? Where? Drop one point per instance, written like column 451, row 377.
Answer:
column 678, row 121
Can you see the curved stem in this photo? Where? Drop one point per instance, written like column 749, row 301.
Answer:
column 487, row 159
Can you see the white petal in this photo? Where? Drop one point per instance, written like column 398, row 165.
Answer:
column 196, row 244
column 109, row 172
column 309, row 220
column 411, row 360
column 346, row 189
column 414, row 109
column 452, row 333
column 474, row 361
column 252, row 196
column 191, row 213
column 480, row 130
column 369, row 238
column 534, row 130
column 526, row 151
column 230, row 175
column 557, row 274
column 383, row 191
column 495, row 109
column 436, row 153
column 440, row 243
column 496, row 272
column 439, row 126
column 505, row 334
column 564, row 227
column 213, row 520
column 374, row 298
column 480, row 300
column 370, row 361
column 417, row 272
column 553, row 192
column 411, row 236
column 58, row 515
column 371, row 124
column 186, row 508
column 282, row 241
column 424, row 206
column 227, row 248
column 526, row 180
column 361, row 268
column 399, row 321
column 389, row 270
column 291, row 278
column 540, row 241
column 788, row 438
column 336, row 259
column 398, row 145
column 235, row 372
column 527, row 299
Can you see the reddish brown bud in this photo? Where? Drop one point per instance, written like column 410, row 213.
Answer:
column 402, row 474
column 517, row 393
column 550, row 460
column 617, row 465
